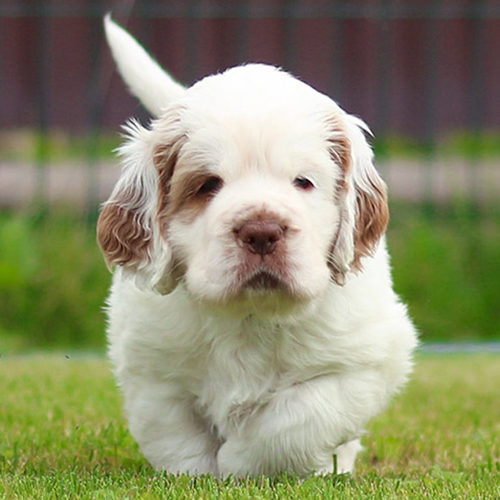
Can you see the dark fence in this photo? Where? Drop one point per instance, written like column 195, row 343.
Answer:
column 420, row 73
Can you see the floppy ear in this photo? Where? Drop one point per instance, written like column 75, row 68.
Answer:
column 128, row 230
column 362, row 199
column 146, row 79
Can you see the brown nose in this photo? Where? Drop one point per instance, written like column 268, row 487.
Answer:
column 260, row 236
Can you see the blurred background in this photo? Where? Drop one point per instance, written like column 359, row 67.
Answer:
column 424, row 75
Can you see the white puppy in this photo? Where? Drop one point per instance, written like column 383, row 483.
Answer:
column 252, row 321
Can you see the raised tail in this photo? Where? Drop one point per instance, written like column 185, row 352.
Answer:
column 145, row 78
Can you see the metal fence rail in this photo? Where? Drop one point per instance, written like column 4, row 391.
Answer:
column 423, row 72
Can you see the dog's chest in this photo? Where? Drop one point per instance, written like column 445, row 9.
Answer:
column 240, row 375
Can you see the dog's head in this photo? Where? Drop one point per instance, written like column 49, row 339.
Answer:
column 250, row 185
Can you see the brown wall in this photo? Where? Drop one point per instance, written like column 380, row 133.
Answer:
column 410, row 75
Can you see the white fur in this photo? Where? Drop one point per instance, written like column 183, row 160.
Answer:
column 219, row 377
column 144, row 76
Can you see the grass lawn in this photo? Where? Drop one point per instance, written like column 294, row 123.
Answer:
column 62, row 435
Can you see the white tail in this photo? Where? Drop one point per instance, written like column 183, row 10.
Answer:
column 146, row 79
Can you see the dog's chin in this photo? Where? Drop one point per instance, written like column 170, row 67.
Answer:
column 264, row 282
column 262, row 293
column 261, row 290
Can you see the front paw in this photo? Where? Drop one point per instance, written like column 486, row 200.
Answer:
column 344, row 458
column 234, row 460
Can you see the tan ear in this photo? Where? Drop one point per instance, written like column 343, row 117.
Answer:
column 122, row 231
column 372, row 216
column 125, row 225
column 130, row 229
column 361, row 198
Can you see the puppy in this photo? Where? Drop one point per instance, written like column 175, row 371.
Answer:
column 252, row 323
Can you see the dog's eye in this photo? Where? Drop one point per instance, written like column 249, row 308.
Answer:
column 303, row 183
column 210, row 186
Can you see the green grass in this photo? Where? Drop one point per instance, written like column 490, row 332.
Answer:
column 446, row 266
column 53, row 283
column 64, row 437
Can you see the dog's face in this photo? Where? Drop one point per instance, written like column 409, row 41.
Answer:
column 252, row 188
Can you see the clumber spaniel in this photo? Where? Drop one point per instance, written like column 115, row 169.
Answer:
column 252, row 321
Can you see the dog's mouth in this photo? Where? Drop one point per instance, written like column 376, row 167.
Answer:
column 263, row 280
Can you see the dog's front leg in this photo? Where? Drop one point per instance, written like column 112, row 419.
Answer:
column 172, row 435
column 302, row 427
